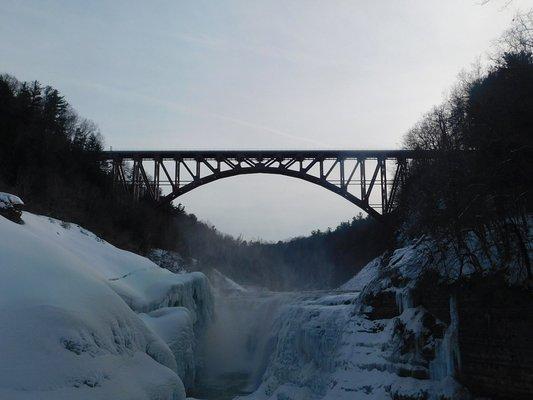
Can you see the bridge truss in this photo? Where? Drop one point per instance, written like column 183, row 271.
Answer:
column 368, row 179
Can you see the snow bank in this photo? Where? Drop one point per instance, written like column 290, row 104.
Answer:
column 65, row 332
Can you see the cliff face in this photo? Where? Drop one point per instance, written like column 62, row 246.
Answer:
column 496, row 340
column 490, row 352
column 495, row 335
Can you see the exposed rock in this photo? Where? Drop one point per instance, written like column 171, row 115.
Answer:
column 380, row 305
column 167, row 259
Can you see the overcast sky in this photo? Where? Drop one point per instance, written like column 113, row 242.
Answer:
column 251, row 74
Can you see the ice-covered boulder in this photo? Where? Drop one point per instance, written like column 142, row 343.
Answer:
column 65, row 333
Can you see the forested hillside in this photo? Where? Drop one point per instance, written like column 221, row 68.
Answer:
column 49, row 155
column 477, row 188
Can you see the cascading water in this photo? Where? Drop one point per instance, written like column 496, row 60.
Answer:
column 237, row 345
column 322, row 345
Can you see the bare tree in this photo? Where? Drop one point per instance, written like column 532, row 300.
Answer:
column 519, row 37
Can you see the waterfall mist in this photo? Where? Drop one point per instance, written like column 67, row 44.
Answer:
column 238, row 344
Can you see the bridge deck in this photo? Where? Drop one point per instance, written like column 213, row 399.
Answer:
column 193, row 154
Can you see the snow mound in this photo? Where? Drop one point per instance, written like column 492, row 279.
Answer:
column 65, row 332
column 142, row 284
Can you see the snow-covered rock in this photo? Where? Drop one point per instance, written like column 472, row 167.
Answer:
column 9, row 199
column 11, row 206
column 69, row 322
column 65, row 333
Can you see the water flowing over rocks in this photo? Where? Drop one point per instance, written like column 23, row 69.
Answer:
column 323, row 350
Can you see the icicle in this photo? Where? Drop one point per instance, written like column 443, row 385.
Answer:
column 447, row 360
column 404, row 300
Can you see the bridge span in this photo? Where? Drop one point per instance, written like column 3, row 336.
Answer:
column 370, row 179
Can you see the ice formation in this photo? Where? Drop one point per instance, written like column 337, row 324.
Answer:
column 69, row 322
column 174, row 325
column 82, row 319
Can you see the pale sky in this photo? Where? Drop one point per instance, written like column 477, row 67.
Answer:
column 251, row 74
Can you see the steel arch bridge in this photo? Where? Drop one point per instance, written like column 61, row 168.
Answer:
column 368, row 178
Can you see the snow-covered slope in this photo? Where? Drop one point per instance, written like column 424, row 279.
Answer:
column 139, row 281
column 68, row 323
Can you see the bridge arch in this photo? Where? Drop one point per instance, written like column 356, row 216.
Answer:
column 272, row 171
